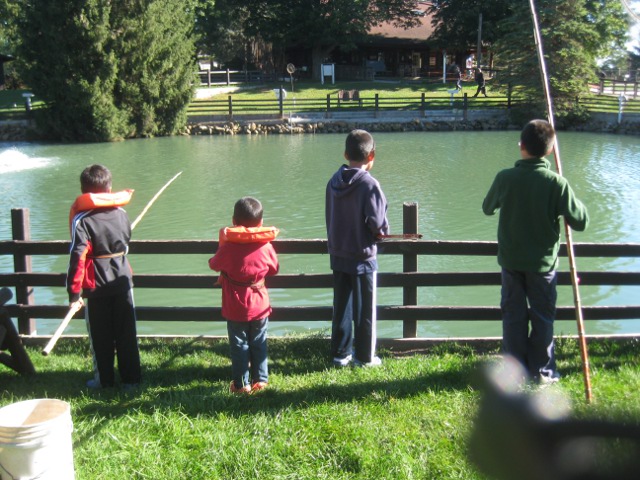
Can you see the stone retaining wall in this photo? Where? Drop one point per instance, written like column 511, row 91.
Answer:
column 17, row 131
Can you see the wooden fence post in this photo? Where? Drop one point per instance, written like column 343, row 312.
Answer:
column 209, row 78
column 327, row 114
column 409, row 264
column 509, row 92
column 281, row 102
column 228, row 78
column 230, row 108
column 465, row 107
column 377, row 105
column 423, row 104
column 21, row 230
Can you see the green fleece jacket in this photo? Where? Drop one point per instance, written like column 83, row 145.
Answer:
column 532, row 198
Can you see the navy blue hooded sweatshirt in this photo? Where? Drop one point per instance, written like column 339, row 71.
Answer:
column 356, row 212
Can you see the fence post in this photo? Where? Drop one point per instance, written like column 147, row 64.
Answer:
column 423, row 104
column 21, row 230
column 228, row 78
column 327, row 114
column 209, row 78
column 409, row 264
column 465, row 107
column 509, row 92
column 376, row 106
column 281, row 102
column 230, row 108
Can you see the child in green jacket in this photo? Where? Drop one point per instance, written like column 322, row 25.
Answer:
column 531, row 198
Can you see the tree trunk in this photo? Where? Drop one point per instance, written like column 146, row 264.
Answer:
column 319, row 54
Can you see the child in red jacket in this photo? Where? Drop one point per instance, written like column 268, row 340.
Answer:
column 244, row 258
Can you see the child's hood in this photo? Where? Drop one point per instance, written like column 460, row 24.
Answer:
column 345, row 179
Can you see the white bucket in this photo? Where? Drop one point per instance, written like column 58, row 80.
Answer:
column 35, row 440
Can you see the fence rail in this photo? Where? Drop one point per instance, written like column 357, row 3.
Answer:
column 287, row 103
column 23, row 279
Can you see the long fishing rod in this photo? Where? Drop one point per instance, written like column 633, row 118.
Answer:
column 569, row 242
column 75, row 306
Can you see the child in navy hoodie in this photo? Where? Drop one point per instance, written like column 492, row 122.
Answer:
column 356, row 215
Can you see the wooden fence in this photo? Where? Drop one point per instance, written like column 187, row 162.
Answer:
column 23, row 279
column 287, row 103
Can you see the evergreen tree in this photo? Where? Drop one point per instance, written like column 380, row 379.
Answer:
column 108, row 69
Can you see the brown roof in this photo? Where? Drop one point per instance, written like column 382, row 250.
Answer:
column 388, row 33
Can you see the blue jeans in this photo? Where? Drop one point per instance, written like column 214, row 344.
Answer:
column 534, row 348
column 248, row 342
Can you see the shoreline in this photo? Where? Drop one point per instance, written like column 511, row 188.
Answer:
column 446, row 121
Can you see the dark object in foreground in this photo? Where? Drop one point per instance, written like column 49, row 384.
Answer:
column 529, row 437
column 17, row 358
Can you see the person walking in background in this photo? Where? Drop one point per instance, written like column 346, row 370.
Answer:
column 99, row 271
column 481, row 82
column 244, row 258
column 531, row 199
column 356, row 215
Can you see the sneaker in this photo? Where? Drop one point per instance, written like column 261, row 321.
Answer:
column 239, row 391
column 375, row 362
column 545, row 380
column 342, row 362
column 94, row 384
column 257, row 386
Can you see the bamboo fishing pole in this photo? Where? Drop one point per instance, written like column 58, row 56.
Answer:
column 569, row 241
column 75, row 306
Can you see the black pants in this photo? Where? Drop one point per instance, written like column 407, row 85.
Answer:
column 354, row 316
column 111, row 322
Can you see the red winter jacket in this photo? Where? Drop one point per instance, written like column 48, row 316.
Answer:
column 243, row 267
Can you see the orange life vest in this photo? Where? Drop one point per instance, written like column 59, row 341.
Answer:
column 89, row 201
column 247, row 234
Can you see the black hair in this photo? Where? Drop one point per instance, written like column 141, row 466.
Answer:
column 537, row 137
column 359, row 145
column 247, row 212
column 95, row 179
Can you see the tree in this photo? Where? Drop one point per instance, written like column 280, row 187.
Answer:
column 456, row 22
column 108, row 69
column 572, row 37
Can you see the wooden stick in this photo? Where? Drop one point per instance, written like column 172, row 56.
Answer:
column 572, row 263
column 75, row 306
column 155, row 197
column 402, row 236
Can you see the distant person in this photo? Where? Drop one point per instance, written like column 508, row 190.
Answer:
column 100, row 272
column 356, row 215
column 244, row 258
column 458, row 74
column 532, row 199
column 481, row 82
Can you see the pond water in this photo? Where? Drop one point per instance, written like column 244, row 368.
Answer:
column 446, row 173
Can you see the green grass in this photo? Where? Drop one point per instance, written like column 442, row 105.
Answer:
column 409, row 419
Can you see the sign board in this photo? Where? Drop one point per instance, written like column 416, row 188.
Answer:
column 328, row 70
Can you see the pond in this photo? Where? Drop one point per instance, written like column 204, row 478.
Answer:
column 446, row 173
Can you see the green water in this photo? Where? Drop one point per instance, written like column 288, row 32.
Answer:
column 446, row 173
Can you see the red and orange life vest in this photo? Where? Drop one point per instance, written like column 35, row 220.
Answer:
column 89, row 201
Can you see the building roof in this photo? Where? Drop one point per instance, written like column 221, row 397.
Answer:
column 387, row 33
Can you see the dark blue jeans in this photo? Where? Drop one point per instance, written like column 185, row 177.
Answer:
column 533, row 348
column 354, row 315
column 248, row 342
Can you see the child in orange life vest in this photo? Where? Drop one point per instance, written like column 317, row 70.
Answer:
column 100, row 272
column 244, row 258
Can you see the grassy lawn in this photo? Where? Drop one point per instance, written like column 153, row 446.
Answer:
column 408, row 419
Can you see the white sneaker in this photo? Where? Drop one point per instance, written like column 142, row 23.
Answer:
column 375, row 362
column 342, row 362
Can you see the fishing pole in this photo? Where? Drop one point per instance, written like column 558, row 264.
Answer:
column 569, row 242
column 75, row 306
column 402, row 236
